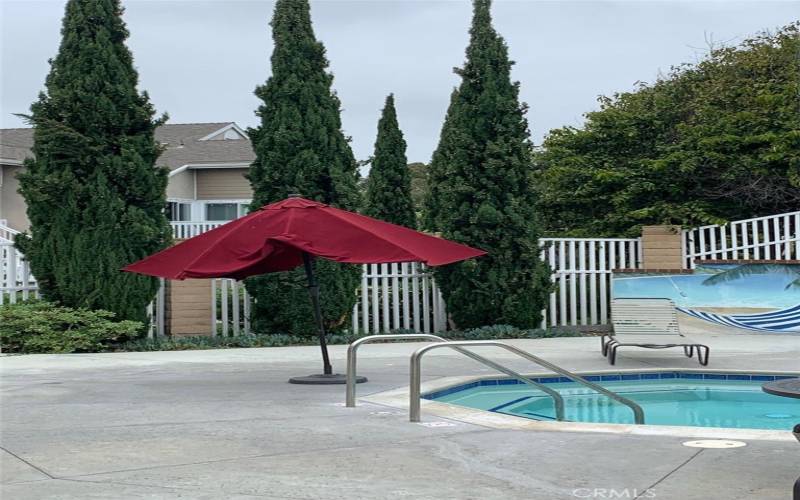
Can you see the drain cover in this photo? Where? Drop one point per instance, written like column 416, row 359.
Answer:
column 714, row 443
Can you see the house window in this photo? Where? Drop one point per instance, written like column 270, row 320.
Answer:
column 225, row 211
column 220, row 211
column 179, row 212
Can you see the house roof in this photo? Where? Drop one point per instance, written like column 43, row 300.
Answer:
column 186, row 143
column 15, row 144
column 174, row 133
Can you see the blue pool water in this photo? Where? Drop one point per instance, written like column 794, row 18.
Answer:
column 696, row 402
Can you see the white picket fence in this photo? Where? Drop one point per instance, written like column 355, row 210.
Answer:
column 230, row 308
column 405, row 296
column 16, row 280
column 772, row 237
column 156, row 312
column 398, row 296
column 581, row 268
column 391, row 297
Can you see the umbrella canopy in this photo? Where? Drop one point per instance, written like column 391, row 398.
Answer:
column 283, row 235
column 274, row 238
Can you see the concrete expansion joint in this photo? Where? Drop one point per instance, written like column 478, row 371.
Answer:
column 29, row 464
column 673, row 471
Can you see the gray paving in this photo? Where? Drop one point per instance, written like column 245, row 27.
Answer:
column 225, row 424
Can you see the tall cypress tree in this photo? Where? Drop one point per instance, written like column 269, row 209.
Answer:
column 481, row 191
column 300, row 148
column 389, row 184
column 95, row 198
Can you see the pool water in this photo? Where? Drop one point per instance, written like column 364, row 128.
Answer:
column 689, row 402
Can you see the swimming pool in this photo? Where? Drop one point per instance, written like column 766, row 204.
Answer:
column 667, row 398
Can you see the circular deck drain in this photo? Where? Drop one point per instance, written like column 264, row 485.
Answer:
column 714, row 443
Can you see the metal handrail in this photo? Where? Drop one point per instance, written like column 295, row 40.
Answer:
column 352, row 350
column 416, row 372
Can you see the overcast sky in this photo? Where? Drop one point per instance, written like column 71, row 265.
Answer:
column 201, row 60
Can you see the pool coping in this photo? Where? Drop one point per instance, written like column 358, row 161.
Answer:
column 398, row 398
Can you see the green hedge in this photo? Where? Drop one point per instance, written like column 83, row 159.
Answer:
column 496, row 332
column 41, row 327
column 189, row 343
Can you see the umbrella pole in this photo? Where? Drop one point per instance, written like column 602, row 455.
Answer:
column 327, row 377
column 313, row 291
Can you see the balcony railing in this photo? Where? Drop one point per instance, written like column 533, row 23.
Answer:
column 183, row 230
column 6, row 233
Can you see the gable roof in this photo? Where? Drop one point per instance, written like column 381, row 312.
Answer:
column 174, row 133
column 230, row 131
column 186, row 143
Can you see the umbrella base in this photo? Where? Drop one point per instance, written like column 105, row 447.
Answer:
column 320, row 379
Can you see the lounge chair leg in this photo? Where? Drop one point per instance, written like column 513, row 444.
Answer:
column 703, row 356
column 688, row 350
column 604, row 344
column 612, row 354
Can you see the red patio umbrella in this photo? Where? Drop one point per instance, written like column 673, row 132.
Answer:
column 283, row 235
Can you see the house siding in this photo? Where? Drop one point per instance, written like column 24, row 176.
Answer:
column 181, row 185
column 12, row 204
column 223, row 184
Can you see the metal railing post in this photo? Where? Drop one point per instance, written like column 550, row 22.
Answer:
column 352, row 351
column 414, row 387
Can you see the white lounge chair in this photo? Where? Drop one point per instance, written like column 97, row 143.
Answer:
column 648, row 323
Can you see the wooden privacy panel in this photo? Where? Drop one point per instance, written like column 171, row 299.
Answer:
column 189, row 307
column 661, row 247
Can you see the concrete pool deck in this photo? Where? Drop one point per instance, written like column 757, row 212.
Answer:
column 224, row 424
